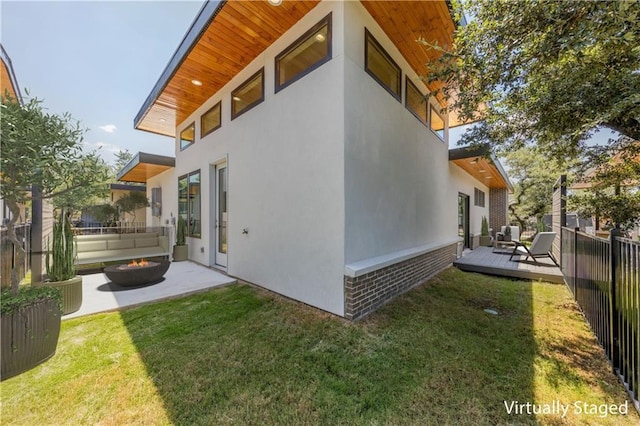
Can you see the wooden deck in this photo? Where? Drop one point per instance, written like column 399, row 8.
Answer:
column 485, row 261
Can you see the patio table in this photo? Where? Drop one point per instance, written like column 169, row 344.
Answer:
column 503, row 246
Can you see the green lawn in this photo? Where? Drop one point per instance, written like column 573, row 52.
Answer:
column 240, row 355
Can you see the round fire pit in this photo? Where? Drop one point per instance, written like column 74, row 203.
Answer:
column 132, row 276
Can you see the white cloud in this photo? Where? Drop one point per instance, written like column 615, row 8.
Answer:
column 105, row 150
column 109, row 128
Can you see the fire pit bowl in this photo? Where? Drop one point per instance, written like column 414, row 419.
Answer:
column 132, row 276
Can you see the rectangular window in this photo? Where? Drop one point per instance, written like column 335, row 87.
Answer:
column 248, row 94
column 436, row 122
column 183, row 198
column 478, row 197
column 415, row 101
column 304, row 55
column 380, row 66
column 187, row 136
column 211, row 120
column 189, row 202
column 194, row 205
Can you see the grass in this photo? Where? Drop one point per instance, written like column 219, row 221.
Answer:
column 242, row 355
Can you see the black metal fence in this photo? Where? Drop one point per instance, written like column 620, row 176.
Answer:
column 8, row 253
column 604, row 279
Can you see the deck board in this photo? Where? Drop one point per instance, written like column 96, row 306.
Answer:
column 485, row 261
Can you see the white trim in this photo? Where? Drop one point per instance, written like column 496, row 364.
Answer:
column 365, row 266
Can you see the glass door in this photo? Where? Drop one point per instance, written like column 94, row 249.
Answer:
column 222, row 217
column 463, row 218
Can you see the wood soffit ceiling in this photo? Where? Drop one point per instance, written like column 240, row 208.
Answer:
column 483, row 170
column 242, row 30
column 142, row 172
column 144, row 166
column 8, row 79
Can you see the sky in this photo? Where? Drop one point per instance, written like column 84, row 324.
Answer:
column 97, row 60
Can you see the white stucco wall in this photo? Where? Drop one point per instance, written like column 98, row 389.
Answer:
column 286, row 176
column 463, row 182
column 397, row 173
column 168, row 181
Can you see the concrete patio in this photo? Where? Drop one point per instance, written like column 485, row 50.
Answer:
column 484, row 260
column 100, row 295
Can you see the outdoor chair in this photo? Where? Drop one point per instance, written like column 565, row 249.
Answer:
column 540, row 247
column 515, row 232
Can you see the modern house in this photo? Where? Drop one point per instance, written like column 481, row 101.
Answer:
column 306, row 159
column 9, row 85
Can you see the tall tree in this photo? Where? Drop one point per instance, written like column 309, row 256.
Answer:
column 547, row 74
column 614, row 185
column 122, row 159
column 544, row 72
column 43, row 150
column 131, row 202
column 534, row 177
column 77, row 197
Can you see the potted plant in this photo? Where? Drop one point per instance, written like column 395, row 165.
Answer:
column 180, row 249
column 30, row 323
column 42, row 158
column 485, row 238
column 60, row 265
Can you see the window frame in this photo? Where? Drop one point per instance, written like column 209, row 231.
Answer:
column 327, row 20
column 368, row 36
column 479, row 197
column 183, row 147
column 219, row 106
column 433, row 110
column 187, row 176
column 406, row 102
column 241, row 86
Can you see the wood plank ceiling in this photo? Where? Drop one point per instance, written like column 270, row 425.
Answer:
column 484, row 170
column 243, row 29
column 142, row 172
column 6, row 81
column 240, row 32
column 404, row 22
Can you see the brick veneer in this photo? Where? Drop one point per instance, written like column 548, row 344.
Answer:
column 368, row 292
column 498, row 205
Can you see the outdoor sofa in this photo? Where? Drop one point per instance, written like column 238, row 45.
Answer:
column 113, row 247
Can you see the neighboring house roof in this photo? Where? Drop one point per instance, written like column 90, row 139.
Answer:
column 8, row 80
column 227, row 35
column 589, row 178
column 480, row 163
column 144, row 166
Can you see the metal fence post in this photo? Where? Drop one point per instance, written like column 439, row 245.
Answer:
column 575, row 263
column 614, row 320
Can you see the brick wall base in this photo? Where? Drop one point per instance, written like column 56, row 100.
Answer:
column 368, row 292
column 498, row 208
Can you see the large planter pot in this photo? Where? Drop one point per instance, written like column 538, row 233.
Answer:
column 29, row 337
column 180, row 253
column 485, row 240
column 71, row 293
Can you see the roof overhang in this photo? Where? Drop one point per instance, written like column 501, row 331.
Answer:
column 482, row 165
column 227, row 35
column 144, row 166
column 8, row 80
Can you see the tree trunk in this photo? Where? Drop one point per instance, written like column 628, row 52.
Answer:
column 11, row 233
